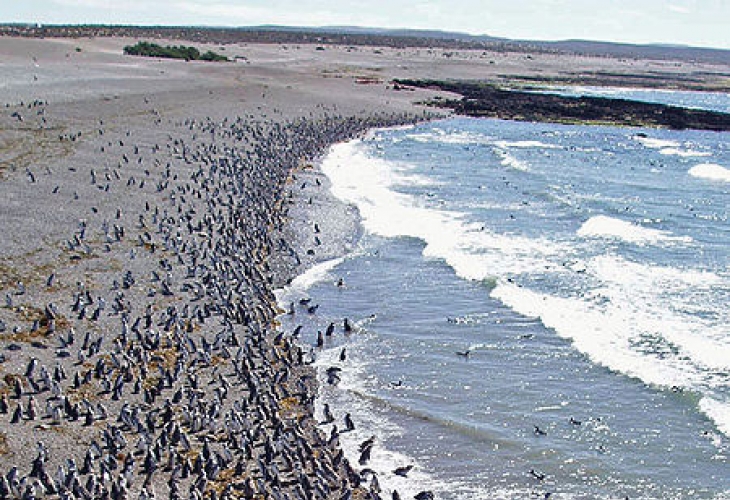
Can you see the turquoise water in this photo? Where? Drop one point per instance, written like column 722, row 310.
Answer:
column 584, row 270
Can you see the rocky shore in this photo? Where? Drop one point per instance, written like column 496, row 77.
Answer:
column 488, row 101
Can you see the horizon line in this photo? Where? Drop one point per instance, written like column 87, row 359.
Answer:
column 482, row 38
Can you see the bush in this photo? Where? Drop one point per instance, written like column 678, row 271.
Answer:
column 212, row 56
column 148, row 49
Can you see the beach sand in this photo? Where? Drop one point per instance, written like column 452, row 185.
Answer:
column 149, row 208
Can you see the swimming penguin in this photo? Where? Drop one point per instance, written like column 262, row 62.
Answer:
column 402, row 471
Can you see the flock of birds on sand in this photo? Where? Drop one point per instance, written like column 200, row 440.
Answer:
column 169, row 378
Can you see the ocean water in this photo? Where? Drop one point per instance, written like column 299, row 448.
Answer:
column 713, row 101
column 585, row 271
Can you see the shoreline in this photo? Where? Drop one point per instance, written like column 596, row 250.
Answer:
column 324, row 293
column 321, row 225
column 139, row 331
column 323, row 216
column 484, row 100
column 280, row 389
column 149, row 213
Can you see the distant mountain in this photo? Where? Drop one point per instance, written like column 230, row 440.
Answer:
column 356, row 35
column 413, row 33
column 649, row 51
column 394, row 37
column 452, row 36
column 588, row 47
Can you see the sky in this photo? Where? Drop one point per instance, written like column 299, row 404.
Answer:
column 701, row 23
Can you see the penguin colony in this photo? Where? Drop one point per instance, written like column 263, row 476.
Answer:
column 143, row 360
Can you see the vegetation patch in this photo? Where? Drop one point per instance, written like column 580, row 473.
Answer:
column 31, row 314
column 290, row 408
column 21, row 148
column 148, row 49
column 9, row 276
column 4, row 448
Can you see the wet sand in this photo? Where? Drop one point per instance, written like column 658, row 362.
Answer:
column 149, row 210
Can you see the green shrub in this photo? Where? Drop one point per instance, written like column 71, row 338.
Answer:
column 212, row 56
column 148, row 49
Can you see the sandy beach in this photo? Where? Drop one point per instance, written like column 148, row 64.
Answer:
column 149, row 209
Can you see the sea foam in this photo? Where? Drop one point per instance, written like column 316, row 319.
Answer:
column 603, row 334
column 602, row 226
column 444, row 137
column 510, row 161
column 710, row 171
column 619, row 321
column 654, row 143
column 632, row 321
column 525, row 144
column 306, row 280
column 669, row 147
column 718, row 412
column 355, row 394
column 473, row 251
column 684, row 153
column 317, row 273
column 655, row 299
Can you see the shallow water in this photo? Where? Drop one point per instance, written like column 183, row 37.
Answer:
column 584, row 269
column 713, row 101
